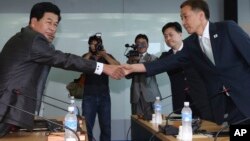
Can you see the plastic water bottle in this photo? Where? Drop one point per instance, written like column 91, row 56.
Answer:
column 186, row 113
column 73, row 104
column 157, row 110
column 71, row 122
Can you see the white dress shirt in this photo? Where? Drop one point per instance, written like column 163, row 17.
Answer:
column 205, row 43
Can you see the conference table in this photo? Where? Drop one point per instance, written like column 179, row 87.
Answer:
column 142, row 130
column 42, row 135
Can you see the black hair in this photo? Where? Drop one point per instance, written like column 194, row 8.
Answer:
column 39, row 9
column 175, row 25
column 198, row 5
column 143, row 36
column 94, row 38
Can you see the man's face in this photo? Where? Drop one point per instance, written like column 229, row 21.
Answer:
column 93, row 45
column 142, row 45
column 47, row 25
column 172, row 38
column 191, row 19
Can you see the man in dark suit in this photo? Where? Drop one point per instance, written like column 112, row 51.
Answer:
column 222, row 58
column 186, row 84
column 25, row 60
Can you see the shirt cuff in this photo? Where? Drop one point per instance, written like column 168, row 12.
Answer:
column 99, row 68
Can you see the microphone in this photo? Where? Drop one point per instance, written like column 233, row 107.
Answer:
column 60, row 101
column 172, row 130
column 169, row 129
column 196, row 123
column 166, row 97
column 127, row 45
column 132, row 45
column 56, row 99
column 226, row 126
column 17, row 92
column 50, row 121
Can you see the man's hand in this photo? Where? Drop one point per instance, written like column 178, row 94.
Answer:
column 102, row 53
column 119, row 71
column 129, row 68
column 114, row 71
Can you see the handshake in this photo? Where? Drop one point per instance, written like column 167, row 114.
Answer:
column 120, row 71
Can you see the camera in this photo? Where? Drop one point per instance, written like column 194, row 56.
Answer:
column 133, row 52
column 99, row 46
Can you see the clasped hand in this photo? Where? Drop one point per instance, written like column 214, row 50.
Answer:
column 120, row 71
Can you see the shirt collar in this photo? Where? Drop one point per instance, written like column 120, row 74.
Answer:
column 143, row 54
column 206, row 32
column 179, row 49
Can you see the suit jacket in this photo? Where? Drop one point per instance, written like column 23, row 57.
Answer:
column 142, row 84
column 231, row 51
column 22, row 62
column 186, row 85
column 178, row 84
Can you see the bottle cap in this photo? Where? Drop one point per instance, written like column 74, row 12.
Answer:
column 186, row 103
column 71, row 109
column 157, row 98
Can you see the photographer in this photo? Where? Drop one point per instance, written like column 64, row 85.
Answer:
column 96, row 99
column 144, row 90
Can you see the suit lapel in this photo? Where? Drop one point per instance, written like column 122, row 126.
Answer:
column 197, row 43
column 201, row 53
column 170, row 51
column 214, row 39
column 146, row 57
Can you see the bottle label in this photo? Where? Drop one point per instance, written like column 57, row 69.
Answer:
column 75, row 110
column 186, row 117
column 157, row 107
column 71, row 124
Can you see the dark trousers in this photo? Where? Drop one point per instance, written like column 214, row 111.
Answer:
column 101, row 105
column 142, row 107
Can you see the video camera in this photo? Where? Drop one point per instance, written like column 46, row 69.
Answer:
column 132, row 53
column 99, row 46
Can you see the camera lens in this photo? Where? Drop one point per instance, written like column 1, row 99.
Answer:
column 99, row 47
